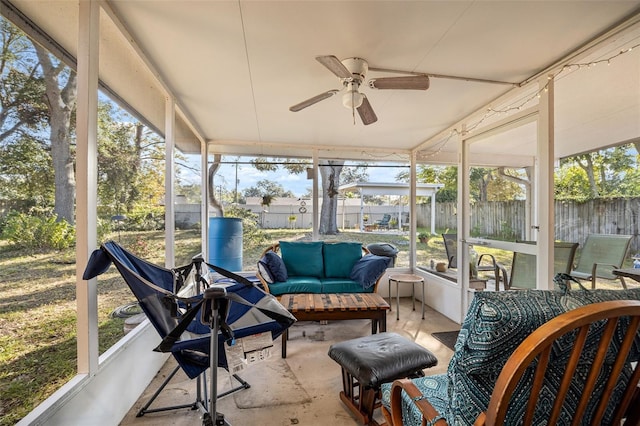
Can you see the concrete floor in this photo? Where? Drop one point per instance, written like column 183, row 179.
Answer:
column 302, row 389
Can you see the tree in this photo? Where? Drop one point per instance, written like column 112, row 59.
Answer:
column 267, row 187
column 118, row 162
column 612, row 172
column 22, row 107
column 25, row 172
column 61, row 92
column 330, row 176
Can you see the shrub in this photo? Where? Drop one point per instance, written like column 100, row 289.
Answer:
column 252, row 235
column 38, row 231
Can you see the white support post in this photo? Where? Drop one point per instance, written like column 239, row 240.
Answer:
column 433, row 212
column 464, row 221
column 316, row 197
column 544, row 205
column 169, row 180
column 204, row 198
column 87, row 183
column 413, row 199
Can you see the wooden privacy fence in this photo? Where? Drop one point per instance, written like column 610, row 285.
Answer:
column 573, row 221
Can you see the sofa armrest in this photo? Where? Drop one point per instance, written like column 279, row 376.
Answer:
column 264, row 283
column 428, row 412
column 272, row 248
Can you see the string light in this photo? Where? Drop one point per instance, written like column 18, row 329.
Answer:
column 490, row 112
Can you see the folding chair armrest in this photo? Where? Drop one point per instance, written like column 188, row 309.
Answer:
column 428, row 412
column 594, row 269
column 505, row 275
column 265, row 284
column 493, row 259
column 595, row 266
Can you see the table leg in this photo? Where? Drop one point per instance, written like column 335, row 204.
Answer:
column 374, row 325
column 390, row 304
column 397, row 300
column 413, row 295
column 284, row 337
column 422, row 299
column 382, row 322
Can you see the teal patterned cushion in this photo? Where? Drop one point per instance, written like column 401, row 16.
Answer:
column 496, row 323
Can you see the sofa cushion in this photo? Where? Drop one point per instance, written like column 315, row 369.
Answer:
column 272, row 268
column 339, row 258
column 303, row 258
column 343, row 285
column 296, row 285
column 368, row 269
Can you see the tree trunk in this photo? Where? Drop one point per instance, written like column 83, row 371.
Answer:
column 61, row 103
column 330, row 174
column 588, row 168
column 213, row 201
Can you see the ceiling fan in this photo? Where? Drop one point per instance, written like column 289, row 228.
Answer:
column 352, row 73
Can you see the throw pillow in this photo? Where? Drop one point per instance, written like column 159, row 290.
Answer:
column 368, row 269
column 274, row 268
column 303, row 259
column 265, row 272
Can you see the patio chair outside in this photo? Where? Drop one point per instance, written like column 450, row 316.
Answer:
column 384, row 222
column 601, row 254
column 451, row 247
column 523, row 266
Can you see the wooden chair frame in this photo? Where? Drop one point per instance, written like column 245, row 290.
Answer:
column 538, row 345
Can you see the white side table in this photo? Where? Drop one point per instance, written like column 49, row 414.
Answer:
column 406, row 278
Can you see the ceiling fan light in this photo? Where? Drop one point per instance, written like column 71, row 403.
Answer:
column 352, row 99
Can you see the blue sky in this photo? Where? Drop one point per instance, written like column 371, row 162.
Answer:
column 249, row 176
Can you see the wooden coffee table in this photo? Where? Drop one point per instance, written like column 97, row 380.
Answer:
column 337, row 306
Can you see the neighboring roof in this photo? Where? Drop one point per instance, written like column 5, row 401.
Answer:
column 384, row 188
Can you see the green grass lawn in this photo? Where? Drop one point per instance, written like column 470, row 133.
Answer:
column 38, row 304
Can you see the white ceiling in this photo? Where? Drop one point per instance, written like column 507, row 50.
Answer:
column 235, row 67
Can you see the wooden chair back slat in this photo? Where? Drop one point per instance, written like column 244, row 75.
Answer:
column 596, row 364
column 621, row 360
column 538, row 381
column 572, row 365
column 632, row 393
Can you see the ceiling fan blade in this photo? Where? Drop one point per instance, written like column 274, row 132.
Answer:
column 334, row 65
column 314, row 100
column 414, row 82
column 366, row 112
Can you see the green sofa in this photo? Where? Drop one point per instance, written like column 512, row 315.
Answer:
column 320, row 267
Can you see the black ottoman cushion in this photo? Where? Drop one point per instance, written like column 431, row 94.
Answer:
column 381, row 358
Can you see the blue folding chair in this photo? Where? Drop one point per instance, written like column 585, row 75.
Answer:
column 187, row 310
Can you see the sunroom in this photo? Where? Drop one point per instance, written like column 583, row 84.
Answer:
column 511, row 85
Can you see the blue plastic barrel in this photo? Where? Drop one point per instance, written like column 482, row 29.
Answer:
column 225, row 242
